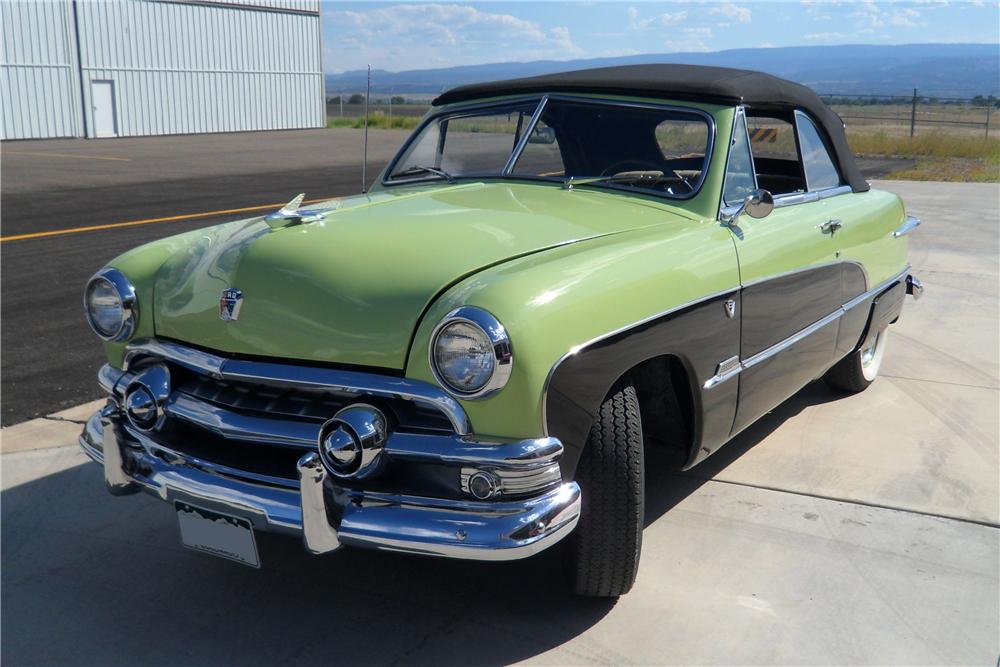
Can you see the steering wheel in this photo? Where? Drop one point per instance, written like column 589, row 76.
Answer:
column 630, row 165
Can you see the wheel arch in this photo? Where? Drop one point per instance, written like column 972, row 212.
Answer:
column 668, row 359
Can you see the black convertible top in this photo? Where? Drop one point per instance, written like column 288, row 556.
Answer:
column 720, row 85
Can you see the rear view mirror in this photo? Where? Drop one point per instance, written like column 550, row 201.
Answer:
column 542, row 135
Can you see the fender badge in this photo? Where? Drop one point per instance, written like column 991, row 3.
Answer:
column 730, row 309
column 230, row 302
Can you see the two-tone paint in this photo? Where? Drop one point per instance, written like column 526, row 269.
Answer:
column 588, row 282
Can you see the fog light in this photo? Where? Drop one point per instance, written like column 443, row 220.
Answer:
column 484, row 485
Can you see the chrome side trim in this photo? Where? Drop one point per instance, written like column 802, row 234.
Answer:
column 729, row 372
column 727, row 369
column 792, row 340
column 908, row 227
column 309, row 377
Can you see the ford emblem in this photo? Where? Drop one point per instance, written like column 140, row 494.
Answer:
column 230, row 303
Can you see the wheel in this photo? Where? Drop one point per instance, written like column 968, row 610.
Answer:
column 858, row 370
column 603, row 551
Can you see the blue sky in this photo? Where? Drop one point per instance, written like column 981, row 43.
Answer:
column 400, row 36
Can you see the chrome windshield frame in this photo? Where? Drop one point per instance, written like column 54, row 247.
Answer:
column 458, row 112
column 543, row 100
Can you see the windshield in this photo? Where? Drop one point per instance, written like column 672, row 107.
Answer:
column 598, row 143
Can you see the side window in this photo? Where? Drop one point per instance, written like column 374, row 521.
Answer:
column 739, row 171
column 775, row 154
column 820, row 171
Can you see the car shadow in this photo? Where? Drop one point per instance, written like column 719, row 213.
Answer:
column 666, row 486
column 93, row 579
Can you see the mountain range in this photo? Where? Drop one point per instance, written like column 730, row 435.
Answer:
column 942, row 70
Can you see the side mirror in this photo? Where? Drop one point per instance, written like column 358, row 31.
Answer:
column 758, row 204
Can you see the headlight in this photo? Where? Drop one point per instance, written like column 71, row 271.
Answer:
column 112, row 308
column 470, row 353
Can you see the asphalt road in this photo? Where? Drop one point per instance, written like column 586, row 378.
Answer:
column 838, row 530
column 49, row 355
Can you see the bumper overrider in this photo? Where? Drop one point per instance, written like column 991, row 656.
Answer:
column 510, row 501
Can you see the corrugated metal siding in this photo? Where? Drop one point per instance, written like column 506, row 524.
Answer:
column 186, row 68
column 39, row 84
column 292, row 5
column 176, row 67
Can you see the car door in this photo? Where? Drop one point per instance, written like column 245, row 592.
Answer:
column 791, row 288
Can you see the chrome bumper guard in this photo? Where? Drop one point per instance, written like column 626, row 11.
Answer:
column 328, row 516
column 914, row 287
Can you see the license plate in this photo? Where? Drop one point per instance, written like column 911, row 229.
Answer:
column 217, row 534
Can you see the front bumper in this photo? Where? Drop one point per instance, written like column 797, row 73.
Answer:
column 328, row 516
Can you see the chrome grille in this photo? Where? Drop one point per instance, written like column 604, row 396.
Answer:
column 292, row 403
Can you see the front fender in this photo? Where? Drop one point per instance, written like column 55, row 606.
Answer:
column 555, row 303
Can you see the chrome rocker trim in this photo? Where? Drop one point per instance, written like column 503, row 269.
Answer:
column 328, row 516
column 733, row 367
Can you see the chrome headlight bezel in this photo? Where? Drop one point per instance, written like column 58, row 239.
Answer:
column 125, row 291
column 495, row 333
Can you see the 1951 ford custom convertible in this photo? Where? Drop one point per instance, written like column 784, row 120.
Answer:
column 552, row 275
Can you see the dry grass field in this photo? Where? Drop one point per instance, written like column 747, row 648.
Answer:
column 943, row 149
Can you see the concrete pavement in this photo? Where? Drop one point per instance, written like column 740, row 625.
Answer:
column 838, row 530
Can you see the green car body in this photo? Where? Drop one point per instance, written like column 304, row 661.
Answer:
column 367, row 284
column 691, row 297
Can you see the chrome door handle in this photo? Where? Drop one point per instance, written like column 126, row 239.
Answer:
column 831, row 226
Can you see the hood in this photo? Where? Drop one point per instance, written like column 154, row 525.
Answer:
column 351, row 287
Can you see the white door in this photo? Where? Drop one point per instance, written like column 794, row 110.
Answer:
column 102, row 96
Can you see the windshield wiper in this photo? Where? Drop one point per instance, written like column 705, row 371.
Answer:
column 620, row 177
column 430, row 170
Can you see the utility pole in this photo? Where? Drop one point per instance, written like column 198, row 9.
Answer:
column 989, row 108
column 364, row 163
column 913, row 113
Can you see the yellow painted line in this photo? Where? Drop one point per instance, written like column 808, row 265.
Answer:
column 148, row 221
column 72, row 155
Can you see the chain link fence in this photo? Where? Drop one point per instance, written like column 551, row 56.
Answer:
column 897, row 114
column 915, row 113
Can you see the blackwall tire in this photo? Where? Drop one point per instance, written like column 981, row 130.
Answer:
column 603, row 551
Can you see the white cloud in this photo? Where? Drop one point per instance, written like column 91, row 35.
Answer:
column 659, row 21
column 685, row 45
column 432, row 35
column 732, row 12
column 824, row 36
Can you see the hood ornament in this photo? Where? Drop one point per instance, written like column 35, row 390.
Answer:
column 230, row 302
column 291, row 214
